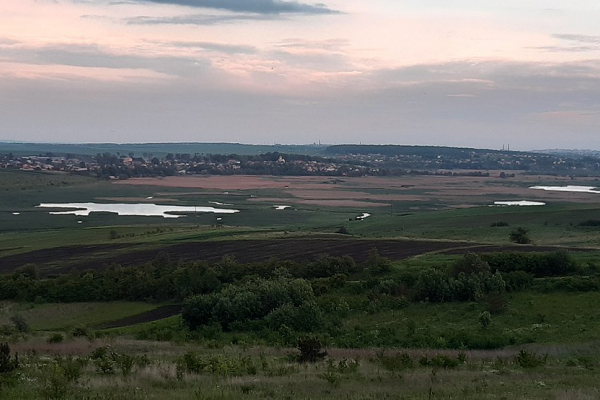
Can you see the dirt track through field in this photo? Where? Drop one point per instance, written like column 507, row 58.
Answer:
column 65, row 259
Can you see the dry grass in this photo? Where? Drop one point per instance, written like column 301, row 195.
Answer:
column 456, row 191
column 482, row 376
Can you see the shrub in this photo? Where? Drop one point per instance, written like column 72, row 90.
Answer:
column 470, row 263
column 251, row 304
column 444, row 361
column 519, row 235
column 485, row 319
column 343, row 230
column 433, row 285
column 71, row 368
column 398, row 362
column 498, row 224
column 540, row 265
column 517, row 280
column 310, row 348
column 55, row 338
column 80, row 331
column 569, row 284
column 8, row 363
column 20, row 324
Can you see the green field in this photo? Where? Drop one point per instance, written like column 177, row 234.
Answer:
column 370, row 316
column 64, row 317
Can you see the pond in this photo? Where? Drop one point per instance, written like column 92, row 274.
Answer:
column 132, row 209
column 569, row 188
column 519, row 203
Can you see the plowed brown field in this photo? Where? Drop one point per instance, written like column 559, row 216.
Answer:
column 65, row 259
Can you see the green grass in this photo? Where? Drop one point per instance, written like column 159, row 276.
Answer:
column 35, row 228
column 552, row 318
column 53, row 317
column 549, row 225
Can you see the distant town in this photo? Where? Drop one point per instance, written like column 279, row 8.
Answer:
column 343, row 160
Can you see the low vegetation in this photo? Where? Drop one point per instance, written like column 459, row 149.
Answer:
column 145, row 370
column 443, row 323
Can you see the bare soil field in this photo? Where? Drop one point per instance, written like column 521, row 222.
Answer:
column 65, row 259
column 322, row 202
column 454, row 191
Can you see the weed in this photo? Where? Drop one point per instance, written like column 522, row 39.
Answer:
column 126, row 364
column 334, row 379
column 398, row 362
column 343, row 366
column 526, row 359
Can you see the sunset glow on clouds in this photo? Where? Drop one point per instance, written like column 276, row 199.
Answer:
column 459, row 73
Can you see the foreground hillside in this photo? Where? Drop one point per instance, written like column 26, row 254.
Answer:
column 357, row 289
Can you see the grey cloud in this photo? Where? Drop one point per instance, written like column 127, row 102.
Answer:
column 578, row 38
column 575, row 43
column 94, row 57
column 330, row 44
column 315, row 61
column 496, row 94
column 218, row 47
column 97, row 17
column 195, row 19
column 529, row 105
column 570, row 49
column 490, row 73
column 253, row 6
column 7, row 42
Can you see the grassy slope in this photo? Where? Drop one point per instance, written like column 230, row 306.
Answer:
column 51, row 317
column 551, row 318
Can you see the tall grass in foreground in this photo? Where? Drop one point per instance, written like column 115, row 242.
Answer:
column 122, row 369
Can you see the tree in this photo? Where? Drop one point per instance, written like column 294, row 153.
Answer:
column 376, row 263
column 519, row 235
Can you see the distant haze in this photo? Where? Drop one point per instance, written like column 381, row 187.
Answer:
column 473, row 73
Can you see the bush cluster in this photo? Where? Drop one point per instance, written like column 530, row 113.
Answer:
column 256, row 304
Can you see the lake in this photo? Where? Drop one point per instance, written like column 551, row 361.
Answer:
column 569, row 188
column 519, row 203
column 132, row 209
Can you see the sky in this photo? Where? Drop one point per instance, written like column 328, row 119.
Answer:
column 472, row 73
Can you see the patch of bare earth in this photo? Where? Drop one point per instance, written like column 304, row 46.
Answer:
column 229, row 182
column 324, row 202
column 456, row 191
